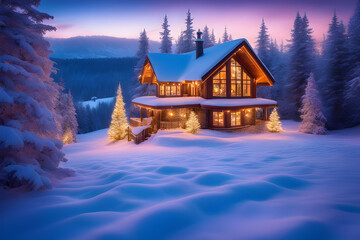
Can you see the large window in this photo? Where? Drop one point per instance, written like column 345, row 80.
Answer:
column 246, row 85
column 218, row 119
column 170, row 90
column 235, row 118
column 235, row 78
column 219, row 83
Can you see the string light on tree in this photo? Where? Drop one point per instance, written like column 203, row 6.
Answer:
column 192, row 124
column 119, row 125
column 274, row 125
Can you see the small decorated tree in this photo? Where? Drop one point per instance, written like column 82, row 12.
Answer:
column 119, row 125
column 313, row 120
column 192, row 124
column 274, row 125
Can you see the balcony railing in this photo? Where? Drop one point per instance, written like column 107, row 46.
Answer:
column 171, row 124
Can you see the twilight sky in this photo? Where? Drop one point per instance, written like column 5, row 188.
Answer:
column 126, row 18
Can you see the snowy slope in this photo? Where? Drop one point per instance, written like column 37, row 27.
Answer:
column 214, row 185
column 96, row 47
column 95, row 104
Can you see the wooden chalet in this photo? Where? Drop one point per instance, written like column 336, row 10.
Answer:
column 218, row 83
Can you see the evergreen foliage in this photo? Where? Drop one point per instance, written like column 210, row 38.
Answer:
column 166, row 39
column 69, row 125
column 313, row 120
column 118, row 129
column 263, row 44
column 335, row 75
column 213, row 38
column 301, row 60
column 274, row 125
column 192, row 124
column 225, row 36
column 29, row 134
column 207, row 38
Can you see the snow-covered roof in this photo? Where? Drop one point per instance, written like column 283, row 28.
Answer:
column 186, row 67
column 154, row 101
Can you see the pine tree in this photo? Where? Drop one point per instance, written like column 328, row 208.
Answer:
column 189, row 44
column 180, row 43
column 263, row 48
column 353, row 86
column 313, row 120
column 206, row 37
column 69, row 124
column 225, row 36
column 274, row 125
column 213, row 38
column 166, row 43
column 28, row 97
column 119, row 124
column 142, row 52
column 230, row 37
column 301, row 56
column 192, row 124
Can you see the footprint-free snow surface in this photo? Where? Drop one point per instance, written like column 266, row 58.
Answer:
column 213, row 185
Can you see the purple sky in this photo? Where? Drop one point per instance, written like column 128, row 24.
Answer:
column 126, row 18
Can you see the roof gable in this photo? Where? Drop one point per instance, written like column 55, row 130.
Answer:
column 185, row 67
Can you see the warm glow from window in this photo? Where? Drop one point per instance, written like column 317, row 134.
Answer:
column 235, row 78
column 218, row 119
column 170, row 90
column 235, row 118
column 219, row 83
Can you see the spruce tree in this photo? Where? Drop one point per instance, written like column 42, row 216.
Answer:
column 192, row 124
column 230, row 37
column 213, row 38
column 206, row 37
column 335, row 75
column 68, row 125
column 28, row 97
column 166, row 39
column 263, row 44
column 189, row 37
column 180, row 43
column 301, row 52
column 225, row 36
column 353, row 86
column 119, row 124
column 142, row 52
column 274, row 125
column 313, row 120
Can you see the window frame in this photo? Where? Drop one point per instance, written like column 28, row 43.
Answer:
column 216, row 119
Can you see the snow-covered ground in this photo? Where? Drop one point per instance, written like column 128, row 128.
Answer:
column 213, row 185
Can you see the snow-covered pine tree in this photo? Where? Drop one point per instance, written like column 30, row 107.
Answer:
column 313, row 120
column 28, row 97
column 353, row 86
column 189, row 37
column 274, row 125
column 230, row 37
column 166, row 39
column 263, row 46
column 118, row 129
column 225, row 36
column 192, row 124
column 206, row 37
column 213, row 38
column 180, row 43
column 301, row 54
column 69, row 123
column 335, row 74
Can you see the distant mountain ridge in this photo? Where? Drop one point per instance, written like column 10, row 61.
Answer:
column 96, row 47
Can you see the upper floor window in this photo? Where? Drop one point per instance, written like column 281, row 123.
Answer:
column 170, row 90
column 246, row 85
column 219, row 83
column 235, row 78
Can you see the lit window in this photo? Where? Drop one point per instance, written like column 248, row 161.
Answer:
column 162, row 89
column 246, row 85
column 236, row 118
column 218, row 119
column 235, row 78
column 219, row 83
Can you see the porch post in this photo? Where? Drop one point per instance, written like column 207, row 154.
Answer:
column 141, row 114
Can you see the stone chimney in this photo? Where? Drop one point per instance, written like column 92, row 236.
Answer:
column 199, row 45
